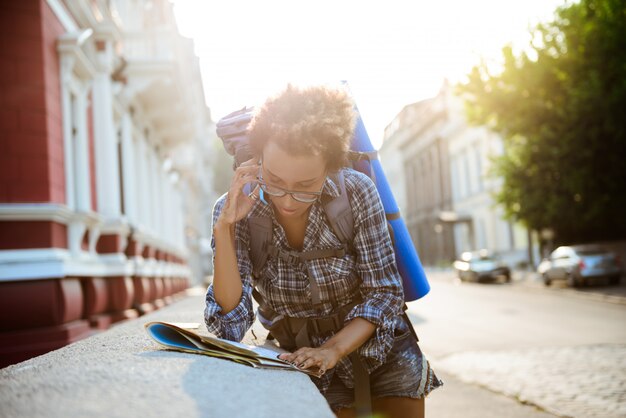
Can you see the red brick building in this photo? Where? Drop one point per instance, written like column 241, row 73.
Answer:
column 95, row 100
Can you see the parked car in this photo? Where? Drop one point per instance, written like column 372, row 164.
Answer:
column 580, row 264
column 477, row 266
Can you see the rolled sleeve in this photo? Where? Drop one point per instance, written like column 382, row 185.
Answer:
column 381, row 286
column 234, row 324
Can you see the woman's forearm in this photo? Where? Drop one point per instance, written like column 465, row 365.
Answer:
column 227, row 287
column 351, row 337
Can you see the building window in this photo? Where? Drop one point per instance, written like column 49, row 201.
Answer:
column 482, row 234
column 466, row 171
column 479, row 168
column 455, row 180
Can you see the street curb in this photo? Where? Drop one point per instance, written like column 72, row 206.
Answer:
column 527, row 283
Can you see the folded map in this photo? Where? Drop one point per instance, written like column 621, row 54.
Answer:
column 180, row 337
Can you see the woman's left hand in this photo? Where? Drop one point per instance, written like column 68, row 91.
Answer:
column 305, row 357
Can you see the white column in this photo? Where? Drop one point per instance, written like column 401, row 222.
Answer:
column 175, row 239
column 75, row 228
column 142, row 178
column 147, row 191
column 83, row 174
column 180, row 220
column 161, row 179
column 136, row 176
column 152, row 178
column 169, row 234
column 67, row 64
column 107, row 164
column 128, row 162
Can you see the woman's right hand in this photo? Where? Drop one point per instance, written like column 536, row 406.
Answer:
column 238, row 204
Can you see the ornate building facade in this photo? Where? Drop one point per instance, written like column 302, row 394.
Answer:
column 103, row 170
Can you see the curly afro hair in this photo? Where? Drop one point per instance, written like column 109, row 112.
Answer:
column 312, row 120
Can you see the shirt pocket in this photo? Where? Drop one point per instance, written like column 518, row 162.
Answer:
column 338, row 281
column 287, row 283
column 338, row 267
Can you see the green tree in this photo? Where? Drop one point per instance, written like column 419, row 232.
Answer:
column 561, row 109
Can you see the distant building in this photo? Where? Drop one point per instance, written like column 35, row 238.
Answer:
column 479, row 222
column 103, row 168
column 438, row 165
column 415, row 157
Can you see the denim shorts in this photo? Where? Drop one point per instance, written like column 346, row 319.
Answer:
column 405, row 373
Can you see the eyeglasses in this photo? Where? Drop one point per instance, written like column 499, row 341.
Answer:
column 303, row 197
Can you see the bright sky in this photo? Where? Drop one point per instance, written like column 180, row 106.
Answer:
column 391, row 52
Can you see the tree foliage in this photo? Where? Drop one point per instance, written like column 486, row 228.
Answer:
column 561, row 109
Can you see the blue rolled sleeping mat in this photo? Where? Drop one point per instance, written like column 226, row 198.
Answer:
column 413, row 277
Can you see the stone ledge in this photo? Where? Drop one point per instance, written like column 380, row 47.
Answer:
column 123, row 373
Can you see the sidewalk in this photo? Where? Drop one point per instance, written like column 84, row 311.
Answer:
column 456, row 399
column 582, row 381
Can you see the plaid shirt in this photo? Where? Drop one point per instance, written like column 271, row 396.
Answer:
column 370, row 269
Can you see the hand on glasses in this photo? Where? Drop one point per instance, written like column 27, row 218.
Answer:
column 238, row 204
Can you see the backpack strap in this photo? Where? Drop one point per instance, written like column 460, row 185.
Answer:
column 362, row 391
column 260, row 241
column 355, row 157
column 339, row 212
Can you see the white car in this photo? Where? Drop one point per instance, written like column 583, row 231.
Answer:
column 580, row 264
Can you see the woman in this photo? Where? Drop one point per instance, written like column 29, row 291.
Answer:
column 300, row 139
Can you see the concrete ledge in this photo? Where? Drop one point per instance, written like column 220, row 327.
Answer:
column 123, row 373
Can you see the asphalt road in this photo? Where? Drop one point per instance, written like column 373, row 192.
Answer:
column 456, row 317
column 560, row 352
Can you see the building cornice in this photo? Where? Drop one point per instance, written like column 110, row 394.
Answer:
column 56, row 263
column 36, row 212
column 66, row 19
column 69, row 46
column 51, row 212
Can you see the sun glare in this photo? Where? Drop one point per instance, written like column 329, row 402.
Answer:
column 391, row 53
